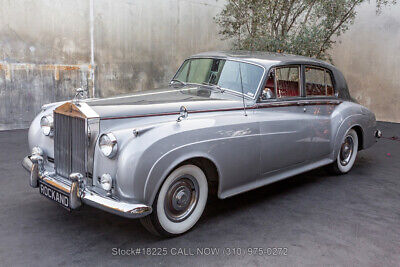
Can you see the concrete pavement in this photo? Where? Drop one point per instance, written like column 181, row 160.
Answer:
column 321, row 219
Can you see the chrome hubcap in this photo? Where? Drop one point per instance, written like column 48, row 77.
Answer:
column 181, row 198
column 346, row 151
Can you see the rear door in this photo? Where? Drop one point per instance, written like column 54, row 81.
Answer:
column 284, row 125
column 320, row 102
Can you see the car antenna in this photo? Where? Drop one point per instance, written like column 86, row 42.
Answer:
column 241, row 86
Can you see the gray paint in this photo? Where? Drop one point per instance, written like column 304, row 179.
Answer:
column 271, row 143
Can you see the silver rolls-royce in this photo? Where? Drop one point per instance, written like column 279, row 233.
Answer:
column 227, row 123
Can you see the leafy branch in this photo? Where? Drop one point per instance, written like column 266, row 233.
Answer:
column 304, row 27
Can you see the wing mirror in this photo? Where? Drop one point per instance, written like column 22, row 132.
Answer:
column 267, row 94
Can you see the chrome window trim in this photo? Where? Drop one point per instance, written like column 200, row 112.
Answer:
column 235, row 60
column 326, row 87
column 302, row 86
column 276, row 87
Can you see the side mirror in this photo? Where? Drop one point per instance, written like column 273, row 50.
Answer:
column 267, row 94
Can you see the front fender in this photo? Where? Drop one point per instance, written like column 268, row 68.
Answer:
column 146, row 161
column 168, row 162
column 37, row 138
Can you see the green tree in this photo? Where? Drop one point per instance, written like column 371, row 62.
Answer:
column 302, row 27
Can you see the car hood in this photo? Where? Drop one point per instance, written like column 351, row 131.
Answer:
column 165, row 101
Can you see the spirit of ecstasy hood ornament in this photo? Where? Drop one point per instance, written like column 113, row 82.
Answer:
column 80, row 94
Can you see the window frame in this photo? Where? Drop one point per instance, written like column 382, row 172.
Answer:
column 277, row 99
column 260, row 84
column 326, row 71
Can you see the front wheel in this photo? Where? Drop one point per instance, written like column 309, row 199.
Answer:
column 180, row 202
column 347, row 154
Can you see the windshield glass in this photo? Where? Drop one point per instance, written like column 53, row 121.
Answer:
column 226, row 74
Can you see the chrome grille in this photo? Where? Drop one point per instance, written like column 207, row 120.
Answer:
column 69, row 144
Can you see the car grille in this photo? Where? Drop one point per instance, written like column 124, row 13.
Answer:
column 69, row 144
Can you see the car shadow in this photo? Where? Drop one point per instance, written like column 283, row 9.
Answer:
column 122, row 230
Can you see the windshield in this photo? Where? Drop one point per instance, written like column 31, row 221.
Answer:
column 227, row 74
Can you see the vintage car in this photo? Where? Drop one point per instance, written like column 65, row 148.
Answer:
column 227, row 123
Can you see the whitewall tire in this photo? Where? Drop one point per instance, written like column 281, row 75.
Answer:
column 347, row 153
column 179, row 203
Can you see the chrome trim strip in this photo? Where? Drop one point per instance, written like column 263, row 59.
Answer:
column 300, row 101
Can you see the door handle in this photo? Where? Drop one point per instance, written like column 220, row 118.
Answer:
column 304, row 109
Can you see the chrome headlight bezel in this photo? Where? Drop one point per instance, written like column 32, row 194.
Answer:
column 47, row 125
column 108, row 145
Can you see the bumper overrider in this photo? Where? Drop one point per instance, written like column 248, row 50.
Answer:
column 78, row 192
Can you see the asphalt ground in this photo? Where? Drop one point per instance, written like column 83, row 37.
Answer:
column 313, row 218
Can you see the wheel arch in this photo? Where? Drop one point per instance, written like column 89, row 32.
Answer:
column 360, row 134
column 164, row 167
column 351, row 122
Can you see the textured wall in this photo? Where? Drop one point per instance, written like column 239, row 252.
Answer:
column 369, row 56
column 140, row 44
column 43, row 55
column 46, row 50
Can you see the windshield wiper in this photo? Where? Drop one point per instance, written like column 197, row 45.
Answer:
column 178, row 81
column 214, row 86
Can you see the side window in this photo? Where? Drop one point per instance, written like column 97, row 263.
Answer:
column 318, row 82
column 287, row 82
column 195, row 71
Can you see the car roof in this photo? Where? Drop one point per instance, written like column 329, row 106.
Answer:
column 266, row 59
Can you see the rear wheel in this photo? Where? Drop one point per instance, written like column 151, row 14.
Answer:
column 180, row 202
column 347, row 153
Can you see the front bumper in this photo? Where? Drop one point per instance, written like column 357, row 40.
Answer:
column 79, row 193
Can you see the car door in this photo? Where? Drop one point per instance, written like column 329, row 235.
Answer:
column 320, row 102
column 284, row 125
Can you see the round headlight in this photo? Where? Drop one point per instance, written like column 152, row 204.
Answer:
column 106, row 182
column 108, row 145
column 47, row 125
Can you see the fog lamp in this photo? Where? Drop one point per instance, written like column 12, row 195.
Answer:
column 37, row 151
column 106, row 181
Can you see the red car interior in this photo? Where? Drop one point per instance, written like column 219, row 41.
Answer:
column 285, row 88
column 291, row 89
column 288, row 89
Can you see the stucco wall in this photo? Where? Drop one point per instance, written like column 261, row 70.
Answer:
column 50, row 47
column 369, row 56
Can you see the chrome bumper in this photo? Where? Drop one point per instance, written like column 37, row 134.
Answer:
column 81, row 194
column 378, row 134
